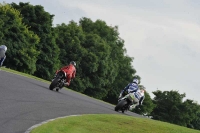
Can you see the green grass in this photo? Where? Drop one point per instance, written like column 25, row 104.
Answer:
column 109, row 123
column 104, row 123
column 23, row 74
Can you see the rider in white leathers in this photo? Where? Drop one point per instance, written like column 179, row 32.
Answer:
column 138, row 93
column 131, row 87
column 3, row 50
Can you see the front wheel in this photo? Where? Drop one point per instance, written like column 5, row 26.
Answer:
column 120, row 105
column 53, row 84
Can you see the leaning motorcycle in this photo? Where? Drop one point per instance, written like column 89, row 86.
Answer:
column 125, row 102
column 58, row 81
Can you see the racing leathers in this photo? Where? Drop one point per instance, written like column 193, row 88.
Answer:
column 70, row 71
column 131, row 87
column 138, row 95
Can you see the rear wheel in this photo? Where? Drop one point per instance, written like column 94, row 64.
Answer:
column 53, row 84
column 120, row 105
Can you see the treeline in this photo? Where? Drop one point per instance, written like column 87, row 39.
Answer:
column 38, row 48
column 171, row 107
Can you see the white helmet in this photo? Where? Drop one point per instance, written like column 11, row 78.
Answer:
column 3, row 47
column 135, row 81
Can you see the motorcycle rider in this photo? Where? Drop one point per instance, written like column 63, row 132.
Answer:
column 3, row 50
column 138, row 93
column 131, row 87
column 70, row 71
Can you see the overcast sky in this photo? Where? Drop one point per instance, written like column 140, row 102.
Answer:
column 162, row 35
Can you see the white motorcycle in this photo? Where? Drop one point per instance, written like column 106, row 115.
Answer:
column 126, row 102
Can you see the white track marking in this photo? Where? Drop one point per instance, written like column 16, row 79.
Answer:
column 37, row 125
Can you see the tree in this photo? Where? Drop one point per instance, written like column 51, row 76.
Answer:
column 167, row 106
column 69, row 41
column 125, row 74
column 191, row 112
column 195, row 123
column 40, row 22
column 102, row 72
column 111, row 63
column 99, row 53
column 88, row 50
column 21, row 42
column 170, row 107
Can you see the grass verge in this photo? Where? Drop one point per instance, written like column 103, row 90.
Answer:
column 108, row 123
column 23, row 74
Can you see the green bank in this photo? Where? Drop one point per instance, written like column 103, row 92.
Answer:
column 107, row 123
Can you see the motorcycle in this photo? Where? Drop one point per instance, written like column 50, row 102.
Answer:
column 58, row 81
column 125, row 102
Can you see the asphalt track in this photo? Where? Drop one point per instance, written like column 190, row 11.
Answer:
column 25, row 102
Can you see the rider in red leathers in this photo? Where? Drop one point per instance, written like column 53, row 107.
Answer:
column 70, row 71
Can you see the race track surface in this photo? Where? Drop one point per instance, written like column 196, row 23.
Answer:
column 25, row 102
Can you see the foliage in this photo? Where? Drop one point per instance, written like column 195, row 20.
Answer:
column 195, row 122
column 21, row 42
column 104, row 42
column 68, row 40
column 100, row 57
column 40, row 22
column 192, row 113
column 96, row 47
column 171, row 108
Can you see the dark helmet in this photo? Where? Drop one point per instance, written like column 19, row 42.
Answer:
column 73, row 63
